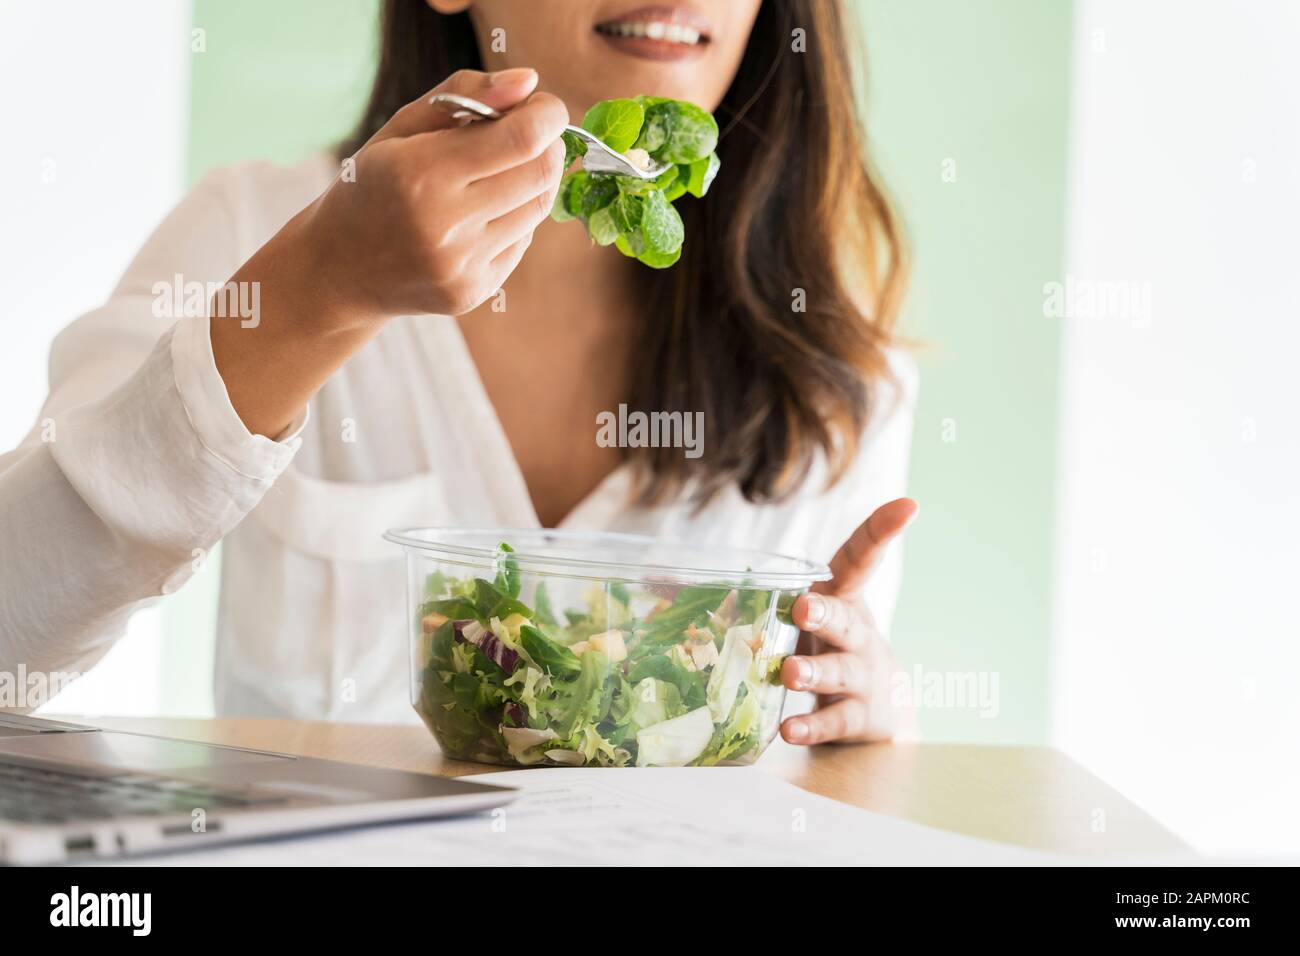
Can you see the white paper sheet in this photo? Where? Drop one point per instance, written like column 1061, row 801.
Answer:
column 642, row 816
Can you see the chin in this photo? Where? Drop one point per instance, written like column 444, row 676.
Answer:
column 660, row 50
column 671, row 80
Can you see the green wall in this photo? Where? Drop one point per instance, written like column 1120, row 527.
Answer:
column 984, row 83
column 981, row 82
column 279, row 80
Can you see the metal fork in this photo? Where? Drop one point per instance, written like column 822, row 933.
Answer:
column 599, row 158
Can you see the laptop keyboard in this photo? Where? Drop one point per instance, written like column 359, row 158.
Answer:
column 43, row 796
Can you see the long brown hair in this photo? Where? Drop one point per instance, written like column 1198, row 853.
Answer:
column 775, row 321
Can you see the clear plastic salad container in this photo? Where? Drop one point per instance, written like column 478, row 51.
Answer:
column 555, row 648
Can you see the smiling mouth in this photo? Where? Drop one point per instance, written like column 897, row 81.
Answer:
column 657, row 33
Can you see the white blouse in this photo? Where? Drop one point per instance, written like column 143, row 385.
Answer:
column 139, row 466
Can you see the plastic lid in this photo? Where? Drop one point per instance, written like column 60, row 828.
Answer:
column 612, row 556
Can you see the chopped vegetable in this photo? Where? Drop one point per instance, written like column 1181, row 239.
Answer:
column 631, row 678
column 634, row 215
column 732, row 666
column 610, row 643
column 488, row 642
column 522, row 742
column 676, row 742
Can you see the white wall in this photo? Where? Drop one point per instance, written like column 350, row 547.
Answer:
column 96, row 99
column 1177, row 635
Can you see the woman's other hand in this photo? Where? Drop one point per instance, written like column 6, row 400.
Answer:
column 843, row 658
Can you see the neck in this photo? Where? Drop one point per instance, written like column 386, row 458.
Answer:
column 565, row 281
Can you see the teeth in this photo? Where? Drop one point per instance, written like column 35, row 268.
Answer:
column 653, row 30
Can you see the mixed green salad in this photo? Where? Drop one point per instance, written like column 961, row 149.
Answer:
column 647, row 675
column 636, row 215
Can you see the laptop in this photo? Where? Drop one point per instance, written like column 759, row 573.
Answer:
column 73, row 793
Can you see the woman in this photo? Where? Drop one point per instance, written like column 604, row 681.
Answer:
column 374, row 296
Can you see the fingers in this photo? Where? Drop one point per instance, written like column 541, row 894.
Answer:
column 833, row 619
column 844, row 721
column 479, row 153
column 525, row 133
column 828, row 615
column 510, row 228
column 501, row 91
column 508, row 258
column 496, row 271
column 826, row 673
column 855, row 559
column 519, row 200
column 508, row 191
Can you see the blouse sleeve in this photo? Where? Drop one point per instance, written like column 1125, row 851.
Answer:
column 138, row 464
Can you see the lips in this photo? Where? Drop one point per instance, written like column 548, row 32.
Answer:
column 657, row 33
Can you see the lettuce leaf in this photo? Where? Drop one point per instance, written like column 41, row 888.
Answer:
column 633, row 214
column 676, row 742
column 729, row 672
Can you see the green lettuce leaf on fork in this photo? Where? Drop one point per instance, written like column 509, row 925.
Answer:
column 636, row 216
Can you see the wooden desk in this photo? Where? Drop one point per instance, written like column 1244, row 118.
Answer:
column 1030, row 796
